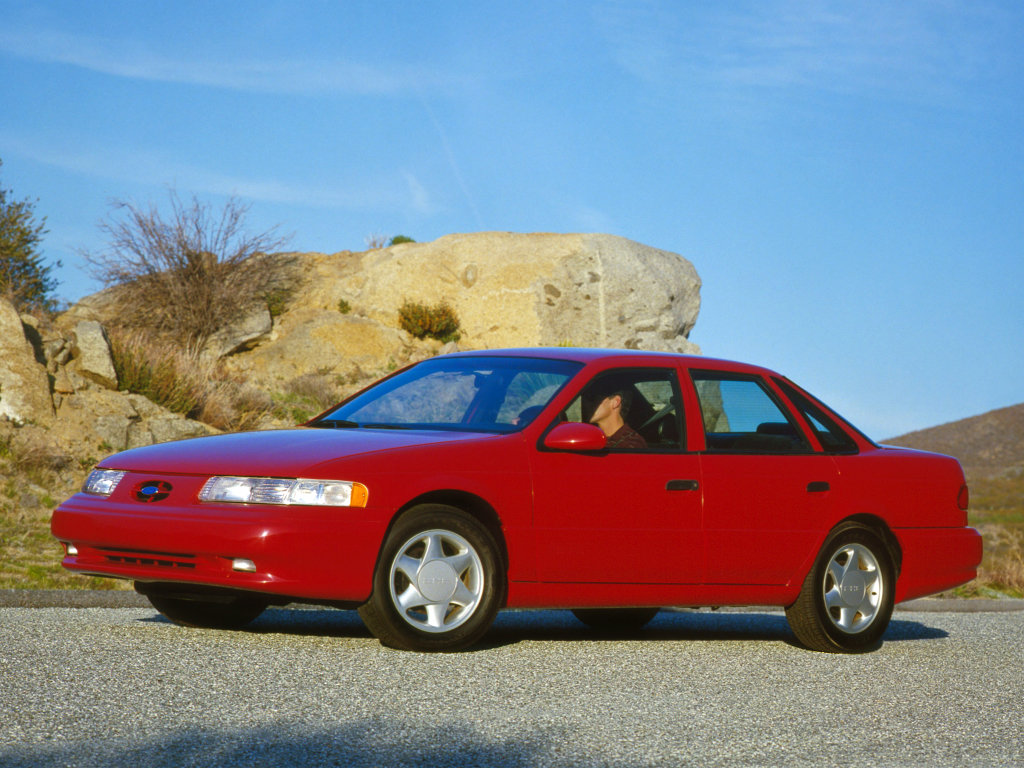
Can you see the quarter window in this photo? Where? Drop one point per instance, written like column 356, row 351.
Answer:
column 831, row 436
column 741, row 415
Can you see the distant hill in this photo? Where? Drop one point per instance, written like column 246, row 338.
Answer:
column 987, row 445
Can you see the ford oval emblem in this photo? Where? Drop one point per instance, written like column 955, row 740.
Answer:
column 152, row 490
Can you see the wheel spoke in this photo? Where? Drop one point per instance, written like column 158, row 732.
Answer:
column 460, row 562
column 409, row 566
column 436, row 613
column 410, row 598
column 834, row 599
column 434, row 550
column 836, row 571
column 463, row 595
column 847, row 616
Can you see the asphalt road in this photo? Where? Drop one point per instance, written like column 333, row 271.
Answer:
column 123, row 687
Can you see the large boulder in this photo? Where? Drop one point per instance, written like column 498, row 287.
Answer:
column 508, row 290
column 24, row 384
column 525, row 290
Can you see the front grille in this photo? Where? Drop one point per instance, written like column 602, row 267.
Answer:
column 148, row 559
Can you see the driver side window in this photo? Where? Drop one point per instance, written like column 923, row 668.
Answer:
column 637, row 409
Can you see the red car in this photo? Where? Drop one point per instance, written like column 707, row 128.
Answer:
column 612, row 483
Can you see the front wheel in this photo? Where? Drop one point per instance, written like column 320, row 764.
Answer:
column 438, row 584
column 847, row 598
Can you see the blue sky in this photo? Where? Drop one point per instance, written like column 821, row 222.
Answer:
column 847, row 178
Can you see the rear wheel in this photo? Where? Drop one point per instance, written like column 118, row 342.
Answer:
column 221, row 613
column 438, row 583
column 847, row 598
column 615, row 619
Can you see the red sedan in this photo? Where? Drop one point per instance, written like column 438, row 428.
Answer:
column 612, row 483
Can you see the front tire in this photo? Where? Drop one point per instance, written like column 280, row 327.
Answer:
column 438, row 584
column 847, row 598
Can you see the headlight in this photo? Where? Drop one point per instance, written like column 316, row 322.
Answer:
column 102, row 482
column 277, row 490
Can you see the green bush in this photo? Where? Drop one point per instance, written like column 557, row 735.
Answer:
column 399, row 239
column 344, row 307
column 437, row 322
column 277, row 301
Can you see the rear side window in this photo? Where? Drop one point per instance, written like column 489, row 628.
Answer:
column 831, row 436
column 741, row 415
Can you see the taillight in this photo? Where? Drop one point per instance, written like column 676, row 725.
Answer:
column 963, row 499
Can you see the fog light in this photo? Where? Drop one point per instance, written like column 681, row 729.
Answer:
column 71, row 548
column 241, row 564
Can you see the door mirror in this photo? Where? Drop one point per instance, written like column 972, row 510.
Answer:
column 574, row 436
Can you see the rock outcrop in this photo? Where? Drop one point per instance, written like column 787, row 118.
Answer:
column 24, row 386
column 64, row 382
column 509, row 290
column 341, row 324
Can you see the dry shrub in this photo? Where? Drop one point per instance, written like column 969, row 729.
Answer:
column 1002, row 568
column 319, row 389
column 177, row 381
column 159, row 371
column 27, row 453
column 234, row 405
column 190, row 273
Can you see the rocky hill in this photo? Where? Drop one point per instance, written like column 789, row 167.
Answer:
column 341, row 320
column 989, row 445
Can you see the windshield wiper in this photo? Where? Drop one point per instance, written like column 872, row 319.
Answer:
column 335, row 423
column 384, row 426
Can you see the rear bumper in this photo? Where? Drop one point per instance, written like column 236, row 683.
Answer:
column 313, row 553
column 936, row 559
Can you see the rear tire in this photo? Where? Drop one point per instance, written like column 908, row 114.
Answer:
column 847, row 598
column 438, row 584
column 615, row 619
column 225, row 613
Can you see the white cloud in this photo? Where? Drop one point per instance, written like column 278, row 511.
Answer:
column 148, row 168
column 131, row 60
column 919, row 50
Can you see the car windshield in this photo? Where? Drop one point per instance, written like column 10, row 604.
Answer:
column 479, row 394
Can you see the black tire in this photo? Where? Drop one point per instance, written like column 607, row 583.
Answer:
column 615, row 619
column 847, row 598
column 438, row 583
column 220, row 613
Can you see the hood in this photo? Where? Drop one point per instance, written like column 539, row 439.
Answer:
column 274, row 453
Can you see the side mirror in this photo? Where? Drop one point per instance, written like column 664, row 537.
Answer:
column 574, row 436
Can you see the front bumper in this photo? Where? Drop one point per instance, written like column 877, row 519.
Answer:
column 320, row 553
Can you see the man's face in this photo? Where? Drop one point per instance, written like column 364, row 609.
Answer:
column 604, row 409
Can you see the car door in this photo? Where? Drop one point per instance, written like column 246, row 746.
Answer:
column 765, row 489
column 622, row 515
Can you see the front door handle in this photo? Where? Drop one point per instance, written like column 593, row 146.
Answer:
column 681, row 485
column 819, row 486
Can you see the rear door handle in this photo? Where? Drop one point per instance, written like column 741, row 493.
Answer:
column 819, row 486
column 681, row 485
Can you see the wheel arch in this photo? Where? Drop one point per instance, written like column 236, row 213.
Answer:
column 473, row 505
column 880, row 528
